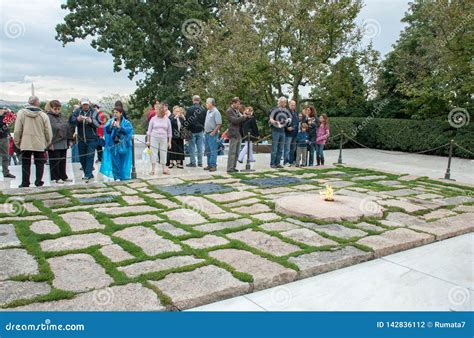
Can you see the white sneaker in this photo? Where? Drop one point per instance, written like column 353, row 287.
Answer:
column 59, row 181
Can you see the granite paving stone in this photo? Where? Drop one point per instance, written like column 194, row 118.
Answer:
column 129, row 297
column 141, row 268
column 150, row 242
column 323, row 261
column 44, row 227
column 16, row 262
column 185, row 216
column 171, row 229
column 136, row 219
column 81, row 221
column 307, row 237
column 395, row 240
column 75, row 242
column 207, row 241
column 200, row 286
column 12, row 290
column 78, row 272
column 115, row 253
column 8, row 237
column 265, row 273
column 210, row 227
column 264, row 242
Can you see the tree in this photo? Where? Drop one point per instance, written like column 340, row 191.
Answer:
column 430, row 69
column 144, row 37
column 269, row 48
column 343, row 91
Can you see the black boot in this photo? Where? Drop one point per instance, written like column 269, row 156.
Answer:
column 318, row 160
column 322, row 160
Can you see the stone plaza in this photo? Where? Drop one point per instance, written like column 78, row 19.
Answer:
column 175, row 243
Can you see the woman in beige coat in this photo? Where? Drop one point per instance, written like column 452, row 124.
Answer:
column 33, row 135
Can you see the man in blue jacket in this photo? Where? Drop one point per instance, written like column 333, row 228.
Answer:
column 87, row 121
column 289, row 152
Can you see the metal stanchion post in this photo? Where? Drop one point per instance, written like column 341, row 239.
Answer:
column 247, row 166
column 134, row 170
column 339, row 160
column 447, row 175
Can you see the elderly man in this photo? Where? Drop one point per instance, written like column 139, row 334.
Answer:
column 235, row 119
column 289, row 152
column 212, row 126
column 4, row 145
column 86, row 119
column 33, row 134
column 279, row 118
column 195, row 118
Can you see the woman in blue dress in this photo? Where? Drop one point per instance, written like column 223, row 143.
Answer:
column 117, row 156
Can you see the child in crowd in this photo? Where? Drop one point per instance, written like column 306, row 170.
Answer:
column 302, row 141
column 322, row 134
column 12, row 151
column 249, row 126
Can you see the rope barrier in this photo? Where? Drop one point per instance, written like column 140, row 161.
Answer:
column 468, row 151
column 391, row 153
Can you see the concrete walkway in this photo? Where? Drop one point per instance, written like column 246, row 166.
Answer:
column 462, row 170
column 434, row 277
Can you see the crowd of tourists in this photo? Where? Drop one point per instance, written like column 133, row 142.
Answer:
column 44, row 136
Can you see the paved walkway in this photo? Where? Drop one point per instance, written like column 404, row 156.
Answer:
column 462, row 170
column 434, row 277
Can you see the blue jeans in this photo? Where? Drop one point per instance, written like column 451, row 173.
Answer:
column 196, row 141
column 311, row 148
column 278, row 141
column 319, row 150
column 86, row 156
column 210, row 142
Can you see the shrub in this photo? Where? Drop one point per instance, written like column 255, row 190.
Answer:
column 402, row 135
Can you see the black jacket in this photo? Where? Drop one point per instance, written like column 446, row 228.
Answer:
column 86, row 131
column 195, row 118
column 4, row 131
column 175, row 132
column 250, row 126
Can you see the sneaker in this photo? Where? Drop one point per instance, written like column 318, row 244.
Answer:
column 279, row 166
column 192, row 165
column 9, row 176
column 207, row 168
column 200, row 165
column 240, row 161
column 66, row 180
column 212, row 168
column 39, row 184
column 232, row 171
column 59, row 181
column 273, row 166
column 23, row 186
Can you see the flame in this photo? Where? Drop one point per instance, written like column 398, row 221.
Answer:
column 328, row 193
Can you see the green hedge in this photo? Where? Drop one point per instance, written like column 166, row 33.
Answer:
column 402, row 135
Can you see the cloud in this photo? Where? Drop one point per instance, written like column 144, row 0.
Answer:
column 63, row 88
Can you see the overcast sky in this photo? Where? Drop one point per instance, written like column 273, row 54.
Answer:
column 29, row 53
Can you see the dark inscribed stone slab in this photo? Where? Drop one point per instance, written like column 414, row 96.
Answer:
column 273, row 181
column 194, row 189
